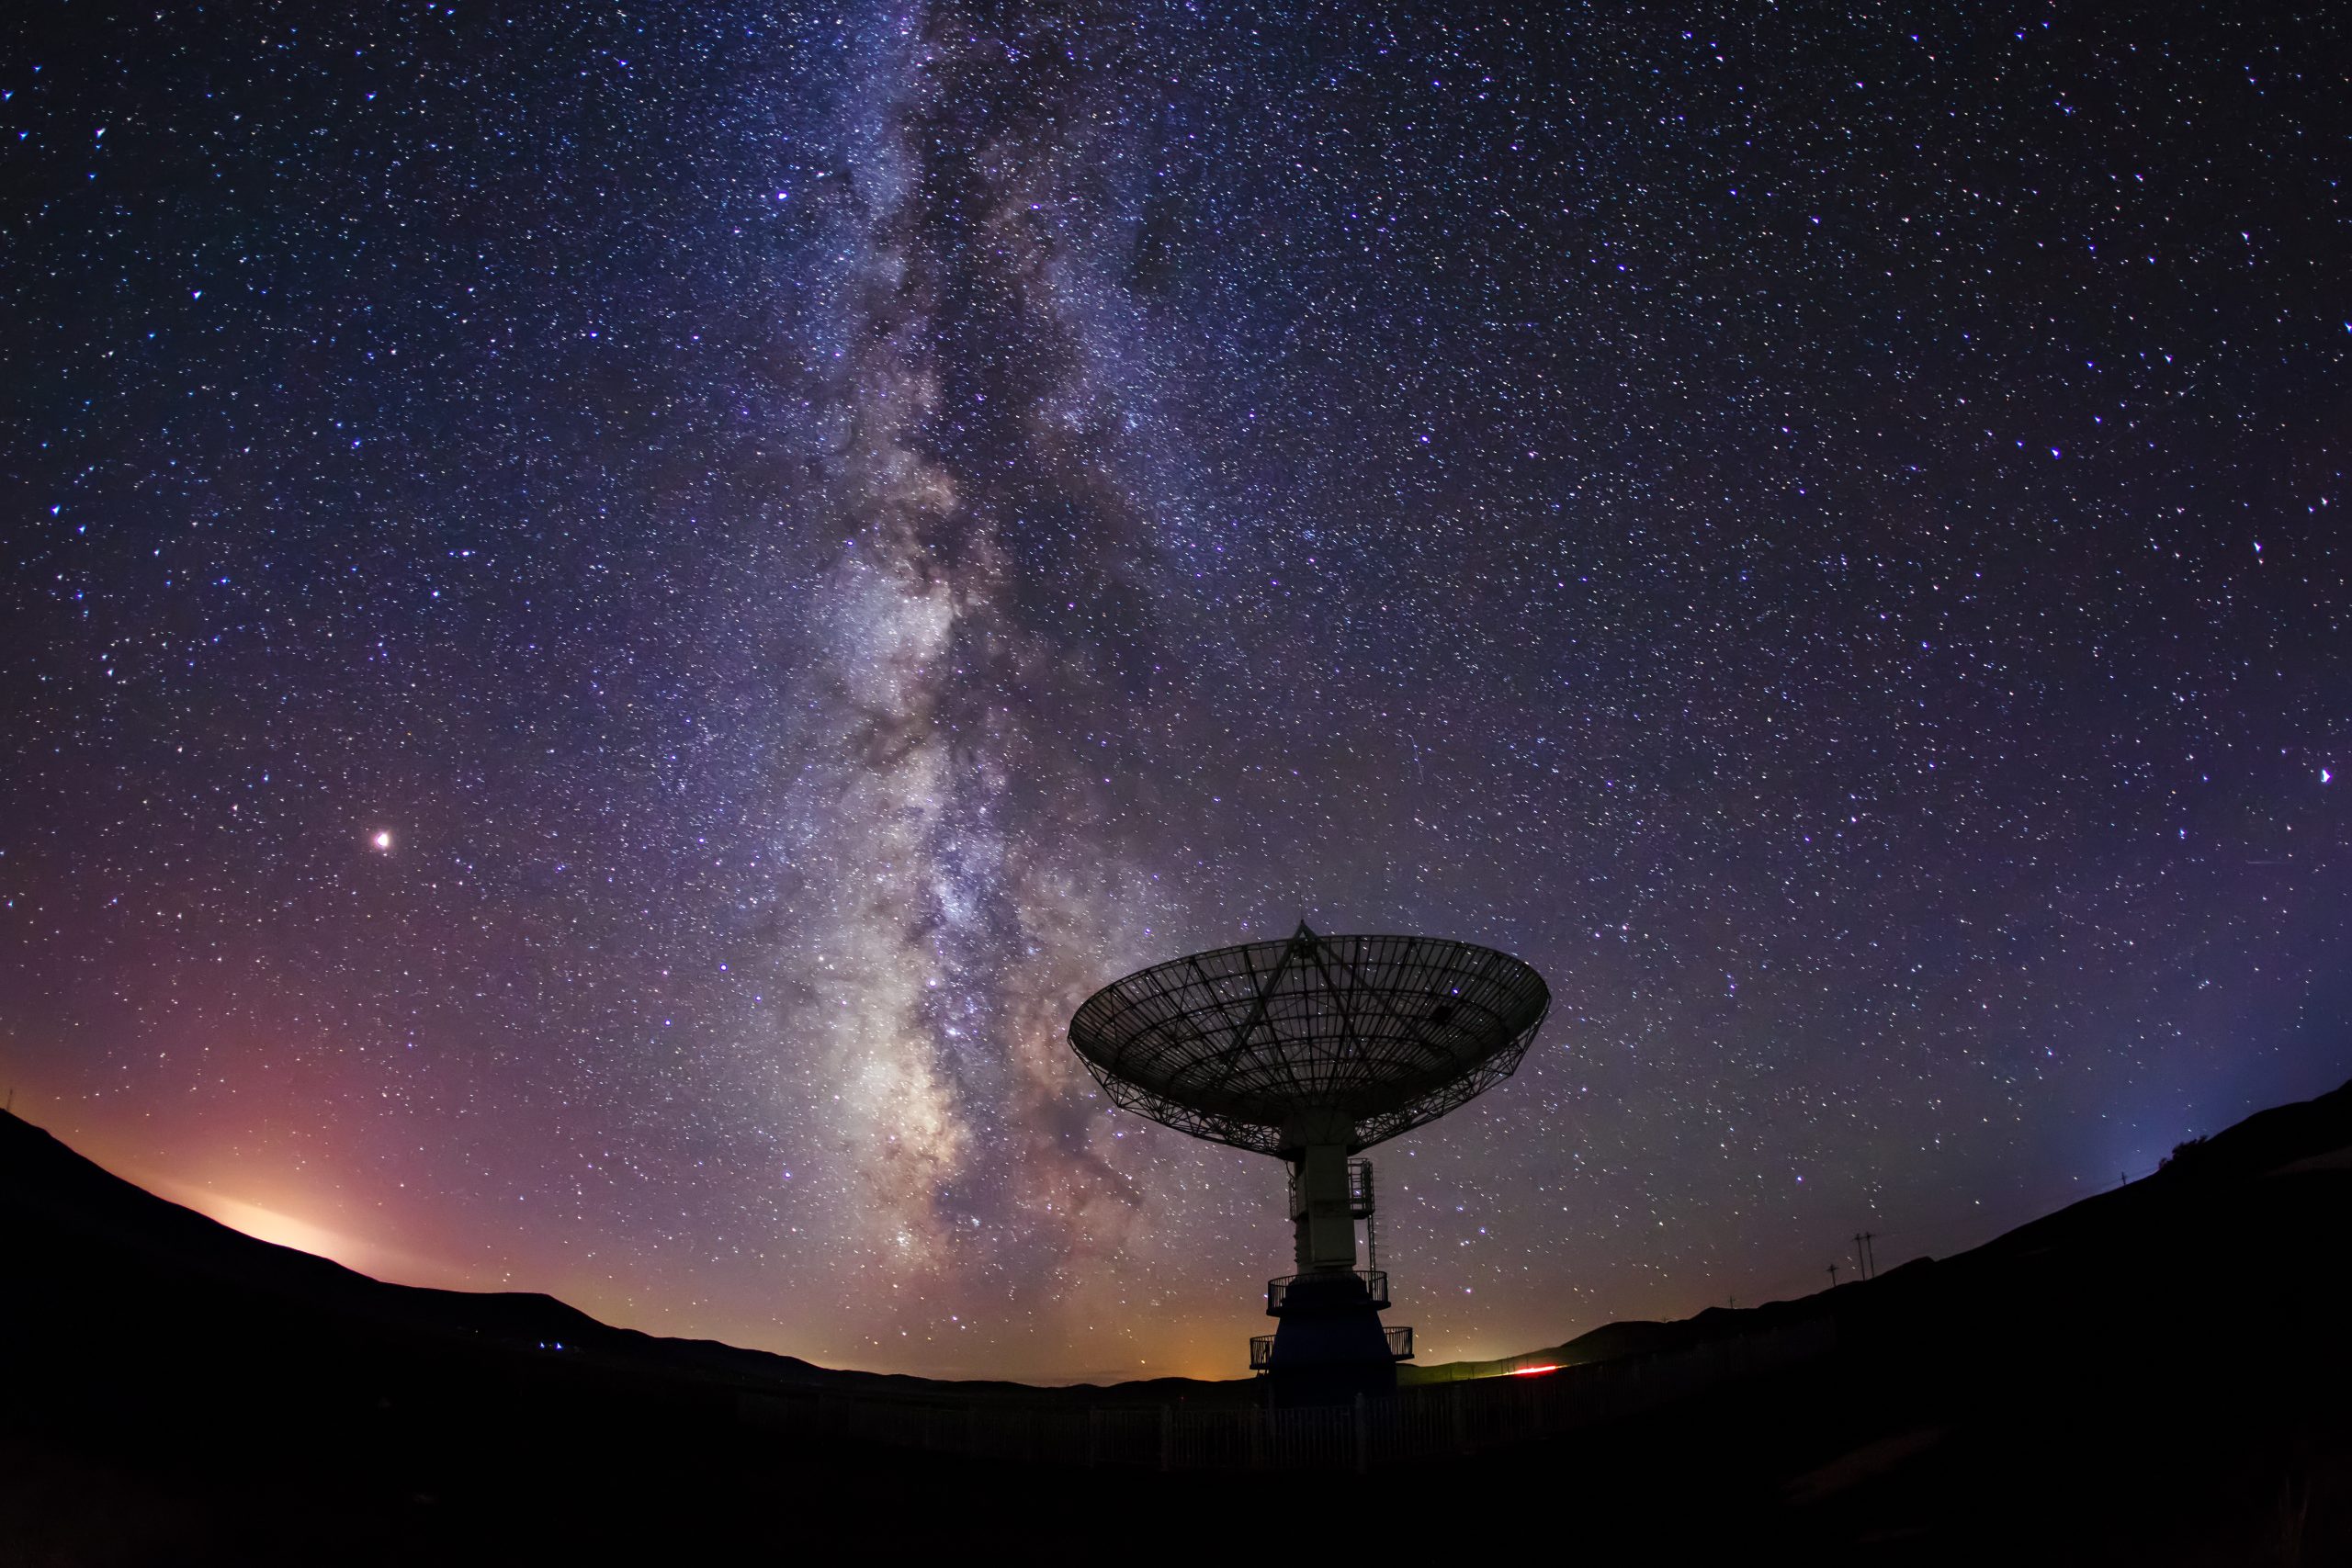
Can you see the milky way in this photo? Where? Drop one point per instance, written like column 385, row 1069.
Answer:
column 961, row 803
column 610, row 617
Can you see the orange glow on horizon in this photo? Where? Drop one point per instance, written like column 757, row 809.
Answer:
column 360, row 1254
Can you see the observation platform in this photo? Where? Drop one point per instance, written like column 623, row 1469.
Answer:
column 1279, row 1292
column 1262, row 1348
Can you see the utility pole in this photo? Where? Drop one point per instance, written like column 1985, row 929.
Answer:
column 1869, row 1254
column 1862, row 1264
column 1833, row 1275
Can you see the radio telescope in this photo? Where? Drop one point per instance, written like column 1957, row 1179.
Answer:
column 1313, row 1049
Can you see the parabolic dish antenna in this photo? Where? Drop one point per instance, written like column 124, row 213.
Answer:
column 1312, row 1049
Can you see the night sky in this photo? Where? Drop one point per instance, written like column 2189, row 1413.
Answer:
column 610, row 615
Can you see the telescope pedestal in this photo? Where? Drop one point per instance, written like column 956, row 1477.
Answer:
column 1329, row 1344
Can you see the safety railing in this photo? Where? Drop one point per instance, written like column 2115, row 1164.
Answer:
column 1262, row 1348
column 1279, row 1292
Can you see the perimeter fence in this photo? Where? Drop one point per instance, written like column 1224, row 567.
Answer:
column 1420, row 1423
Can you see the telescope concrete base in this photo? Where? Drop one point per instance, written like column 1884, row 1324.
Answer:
column 1330, row 1346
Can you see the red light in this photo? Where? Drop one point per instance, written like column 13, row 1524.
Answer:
column 1531, row 1371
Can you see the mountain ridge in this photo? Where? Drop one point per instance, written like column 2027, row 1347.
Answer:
column 81, row 1195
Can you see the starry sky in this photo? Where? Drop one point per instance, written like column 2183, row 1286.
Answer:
column 611, row 614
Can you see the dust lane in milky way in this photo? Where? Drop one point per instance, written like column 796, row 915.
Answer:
column 612, row 617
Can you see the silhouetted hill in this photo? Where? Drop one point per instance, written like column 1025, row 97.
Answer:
column 2158, row 1374
column 2128, row 1224
column 85, row 1211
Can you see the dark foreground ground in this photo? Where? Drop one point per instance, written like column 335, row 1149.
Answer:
column 2158, row 1375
